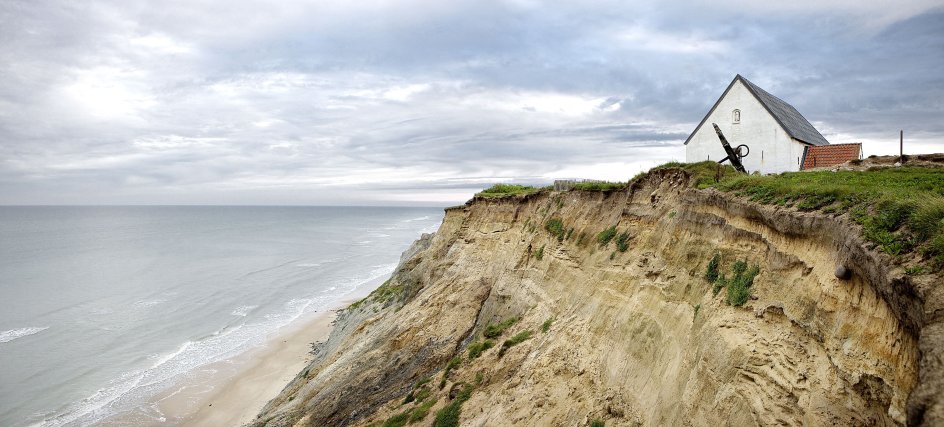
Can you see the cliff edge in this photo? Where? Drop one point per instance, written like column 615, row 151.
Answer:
column 655, row 304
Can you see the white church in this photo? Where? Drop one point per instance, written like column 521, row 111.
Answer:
column 779, row 137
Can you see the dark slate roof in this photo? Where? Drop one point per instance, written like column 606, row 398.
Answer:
column 788, row 117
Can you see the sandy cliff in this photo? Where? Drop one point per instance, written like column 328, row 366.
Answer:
column 636, row 337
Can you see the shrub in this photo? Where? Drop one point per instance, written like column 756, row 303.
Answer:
column 712, row 274
column 597, row 423
column 513, row 341
column 448, row 416
column 606, row 235
column 739, row 287
column 495, row 330
column 556, row 227
column 622, row 242
column 476, row 348
column 546, row 326
column 539, row 254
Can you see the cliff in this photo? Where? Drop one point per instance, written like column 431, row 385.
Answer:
column 521, row 311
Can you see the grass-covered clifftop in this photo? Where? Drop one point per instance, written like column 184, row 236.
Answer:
column 901, row 209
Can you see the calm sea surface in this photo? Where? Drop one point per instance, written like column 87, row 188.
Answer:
column 102, row 307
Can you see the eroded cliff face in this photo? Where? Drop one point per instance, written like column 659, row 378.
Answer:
column 635, row 337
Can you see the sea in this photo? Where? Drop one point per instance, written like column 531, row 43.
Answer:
column 101, row 308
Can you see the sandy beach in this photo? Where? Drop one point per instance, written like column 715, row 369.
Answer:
column 233, row 391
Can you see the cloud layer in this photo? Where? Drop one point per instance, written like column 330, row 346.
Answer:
column 423, row 102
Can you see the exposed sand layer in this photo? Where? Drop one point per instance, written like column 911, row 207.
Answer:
column 631, row 335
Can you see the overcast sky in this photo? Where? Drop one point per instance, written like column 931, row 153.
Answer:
column 425, row 102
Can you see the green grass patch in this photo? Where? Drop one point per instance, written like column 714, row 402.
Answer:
column 420, row 412
column 605, row 236
column 506, row 190
column 711, row 275
column 597, row 423
column 622, row 242
column 599, row 186
column 901, row 210
column 546, row 326
column 513, row 341
column 476, row 348
column 448, row 416
column 539, row 254
column 738, row 286
column 495, row 330
column 387, row 292
column 556, row 227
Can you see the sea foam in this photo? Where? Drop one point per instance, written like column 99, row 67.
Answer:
column 12, row 334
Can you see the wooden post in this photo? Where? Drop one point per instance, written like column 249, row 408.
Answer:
column 901, row 146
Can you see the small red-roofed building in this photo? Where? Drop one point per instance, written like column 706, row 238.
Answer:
column 819, row 156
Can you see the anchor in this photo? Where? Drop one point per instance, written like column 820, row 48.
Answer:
column 734, row 154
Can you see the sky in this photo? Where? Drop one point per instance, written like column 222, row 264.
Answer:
column 426, row 102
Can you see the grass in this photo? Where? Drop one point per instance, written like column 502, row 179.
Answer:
column 738, row 286
column 556, row 227
column 385, row 293
column 495, row 330
column 506, row 190
column 448, row 416
column 622, row 242
column 539, row 255
column 901, row 210
column 476, row 348
column 605, row 236
column 546, row 326
column 513, row 341
column 706, row 174
column 597, row 423
column 712, row 274
column 599, row 186
column 410, row 416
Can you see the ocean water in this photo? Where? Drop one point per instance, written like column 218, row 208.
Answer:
column 103, row 307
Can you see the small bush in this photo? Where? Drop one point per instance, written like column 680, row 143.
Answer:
column 495, row 330
column 739, row 287
column 622, row 242
column 539, row 254
column 712, row 274
column 597, row 423
column 513, row 341
column 546, row 326
column 478, row 378
column 449, row 415
column 556, row 227
column 606, row 235
column 476, row 348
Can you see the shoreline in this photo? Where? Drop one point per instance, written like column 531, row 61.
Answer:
column 255, row 376
column 233, row 391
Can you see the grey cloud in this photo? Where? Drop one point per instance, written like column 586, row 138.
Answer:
column 367, row 103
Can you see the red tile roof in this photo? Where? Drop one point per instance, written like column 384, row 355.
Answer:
column 830, row 155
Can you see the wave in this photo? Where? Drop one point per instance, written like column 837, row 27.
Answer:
column 243, row 310
column 126, row 392
column 12, row 334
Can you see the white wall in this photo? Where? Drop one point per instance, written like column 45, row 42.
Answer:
column 772, row 150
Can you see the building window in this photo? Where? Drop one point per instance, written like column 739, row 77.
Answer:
column 736, row 116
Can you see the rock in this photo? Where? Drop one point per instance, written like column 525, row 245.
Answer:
column 843, row 273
